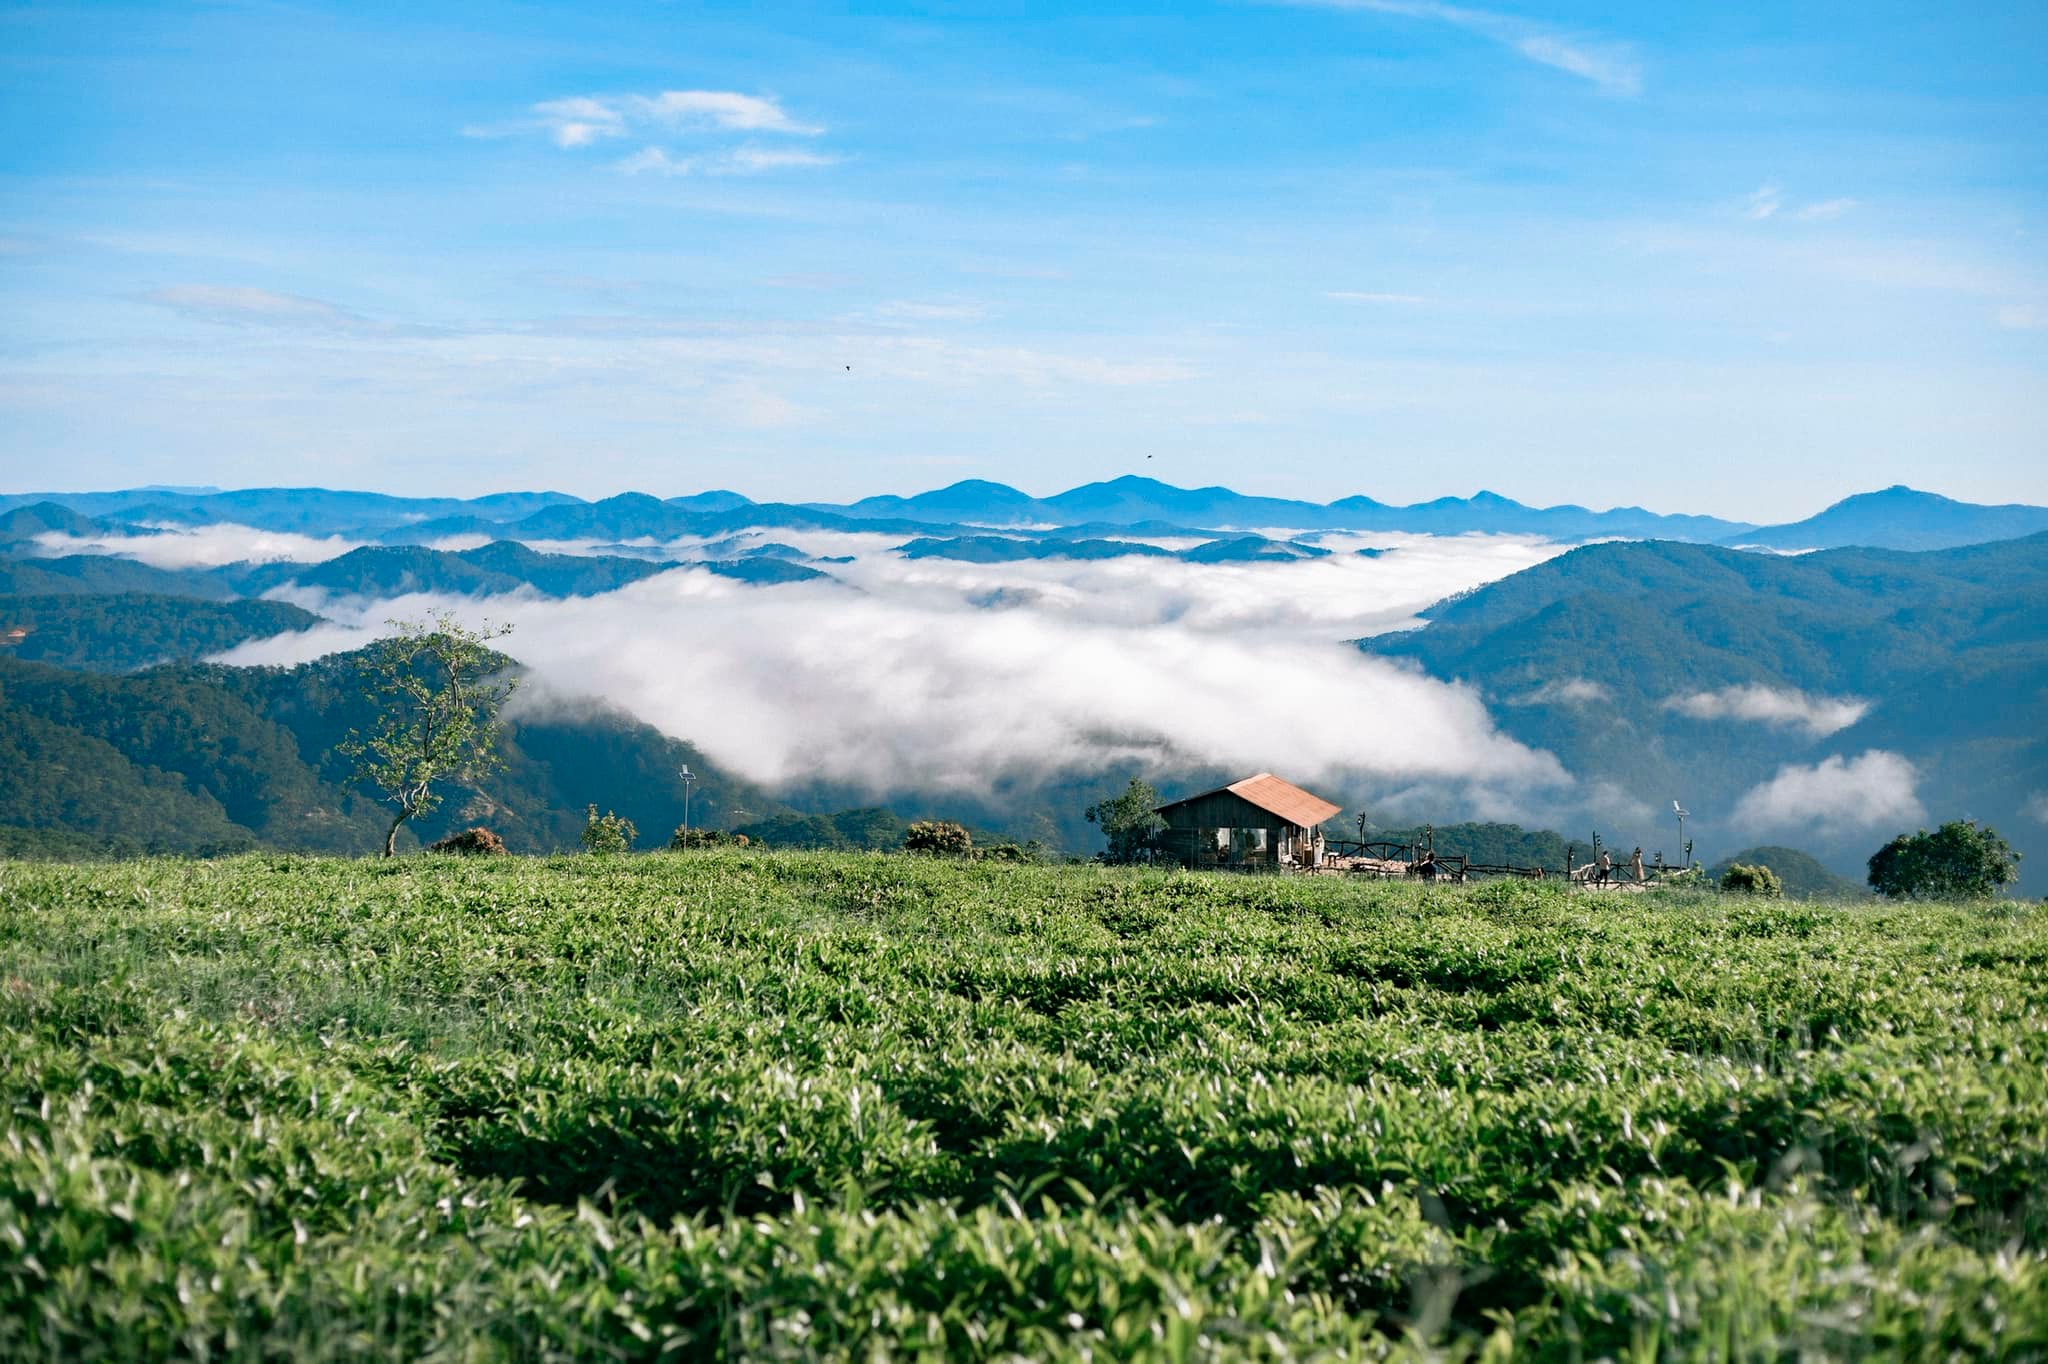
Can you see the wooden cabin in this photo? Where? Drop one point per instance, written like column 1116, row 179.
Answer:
column 1260, row 823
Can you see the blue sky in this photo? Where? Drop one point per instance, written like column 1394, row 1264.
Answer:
column 1742, row 259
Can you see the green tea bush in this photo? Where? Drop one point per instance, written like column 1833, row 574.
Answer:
column 1740, row 879
column 859, row 1106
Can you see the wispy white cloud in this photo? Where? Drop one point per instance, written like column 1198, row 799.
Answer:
column 1835, row 797
column 1359, row 296
column 1763, row 202
column 1568, row 691
column 1824, row 210
column 243, row 306
column 1768, row 200
column 202, row 546
column 911, row 310
column 1613, row 67
column 737, row 161
column 2022, row 317
column 721, row 109
column 581, row 120
column 1780, row 707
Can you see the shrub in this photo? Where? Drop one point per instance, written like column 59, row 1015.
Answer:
column 1962, row 860
column 682, row 840
column 607, row 833
column 938, row 836
column 478, row 842
column 1747, row 880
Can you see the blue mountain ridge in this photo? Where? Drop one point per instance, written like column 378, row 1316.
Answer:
column 1893, row 518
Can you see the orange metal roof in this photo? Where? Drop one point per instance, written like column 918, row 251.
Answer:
column 1275, row 797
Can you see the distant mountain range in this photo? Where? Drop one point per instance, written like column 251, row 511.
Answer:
column 1896, row 518
column 1667, row 670
column 384, row 571
column 1003, row 549
column 1900, row 518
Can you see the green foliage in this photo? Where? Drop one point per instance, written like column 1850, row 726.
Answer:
column 607, row 832
column 131, row 630
column 938, row 836
column 1962, row 860
column 1743, row 879
column 205, row 758
column 846, row 1106
column 106, row 573
column 1493, row 845
column 1583, row 654
column 1127, row 822
column 1030, row 850
column 683, row 840
column 870, row 829
column 163, row 760
column 437, row 713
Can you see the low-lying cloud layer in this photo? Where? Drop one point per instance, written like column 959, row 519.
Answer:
column 210, row 546
column 947, row 676
column 1837, row 796
column 1779, row 707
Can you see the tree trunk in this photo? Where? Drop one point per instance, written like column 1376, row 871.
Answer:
column 391, row 834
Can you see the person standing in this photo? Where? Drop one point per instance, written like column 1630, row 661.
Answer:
column 1636, row 863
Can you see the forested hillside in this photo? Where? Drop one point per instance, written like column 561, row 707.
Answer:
column 198, row 759
column 125, row 631
column 1689, row 671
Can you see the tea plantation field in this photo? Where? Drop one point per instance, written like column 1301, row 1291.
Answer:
column 862, row 1107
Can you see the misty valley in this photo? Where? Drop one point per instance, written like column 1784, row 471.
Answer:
column 177, row 665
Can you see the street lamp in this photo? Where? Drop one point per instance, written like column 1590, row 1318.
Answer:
column 685, row 774
column 1676, row 810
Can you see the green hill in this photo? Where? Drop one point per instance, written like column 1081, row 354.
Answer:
column 1495, row 845
column 1802, row 875
column 1593, row 654
column 504, row 566
column 205, row 757
column 129, row 630
column 106, row 573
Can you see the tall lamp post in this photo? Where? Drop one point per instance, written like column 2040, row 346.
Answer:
column 688, row 778
column 1681, row 813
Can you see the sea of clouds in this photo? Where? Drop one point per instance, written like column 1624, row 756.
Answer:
column 947, row 676
column 209, row 546
column 941, row 676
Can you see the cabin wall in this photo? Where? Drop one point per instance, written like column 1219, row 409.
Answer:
column 1192, row 827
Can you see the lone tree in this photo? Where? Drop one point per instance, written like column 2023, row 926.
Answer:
column 437, row 701
column 1962, row 860
column 608, row 832
column 1127, row 822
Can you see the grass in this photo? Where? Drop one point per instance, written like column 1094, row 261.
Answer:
column 861, row 1107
